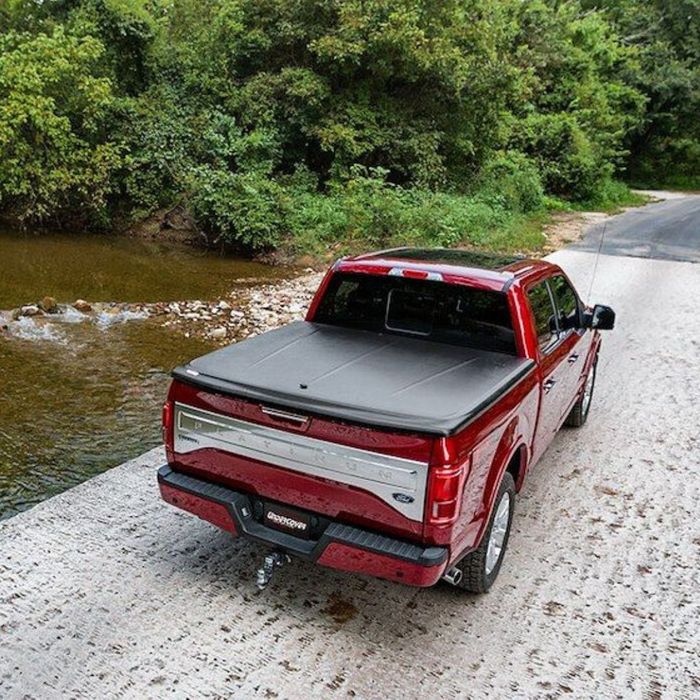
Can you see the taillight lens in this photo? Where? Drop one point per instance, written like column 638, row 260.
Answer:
column 168, row 428
column 445, row 488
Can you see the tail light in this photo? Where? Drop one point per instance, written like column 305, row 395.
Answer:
column 168, row 429
column 445, row 485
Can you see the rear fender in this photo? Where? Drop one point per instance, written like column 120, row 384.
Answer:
column 510, row 443
column 498, row 469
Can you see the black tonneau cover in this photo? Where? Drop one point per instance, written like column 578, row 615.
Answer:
column 376, row 379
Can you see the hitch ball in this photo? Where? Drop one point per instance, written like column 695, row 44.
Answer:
column 272, row 561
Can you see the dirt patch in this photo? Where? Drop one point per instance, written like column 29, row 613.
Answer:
column 569, row 227
column 339, row 609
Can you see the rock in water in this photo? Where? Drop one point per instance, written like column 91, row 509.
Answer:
column 218, row 333
column 48, row 305
column 82, row 306
column 29, row 310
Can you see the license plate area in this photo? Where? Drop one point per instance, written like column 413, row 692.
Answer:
column 290, row 520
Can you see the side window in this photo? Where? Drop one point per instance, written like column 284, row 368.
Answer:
column 566, row 301
column 544, row 313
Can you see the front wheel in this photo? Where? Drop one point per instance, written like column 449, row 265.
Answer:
column 579, row 412
column 480, row 567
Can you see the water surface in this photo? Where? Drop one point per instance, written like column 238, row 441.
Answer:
column 113, row 268
column 80, row 397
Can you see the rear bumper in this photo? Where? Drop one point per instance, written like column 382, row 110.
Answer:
column 340, row 546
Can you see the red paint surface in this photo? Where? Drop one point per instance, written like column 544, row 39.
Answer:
column 337, row 501
column 203, row 508
column 346, row 558
column 399, row 444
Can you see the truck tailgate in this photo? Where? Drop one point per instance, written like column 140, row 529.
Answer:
column 350, row 473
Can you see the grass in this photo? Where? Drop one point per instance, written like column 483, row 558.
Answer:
column 612, row 198
column 328, row 226
column 332, row 226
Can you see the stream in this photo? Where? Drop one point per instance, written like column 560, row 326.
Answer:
column 81, row 393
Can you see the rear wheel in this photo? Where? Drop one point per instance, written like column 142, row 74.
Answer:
column 480, row 567
column 579, row 412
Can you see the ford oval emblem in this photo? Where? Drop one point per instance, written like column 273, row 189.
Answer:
column 403, row 498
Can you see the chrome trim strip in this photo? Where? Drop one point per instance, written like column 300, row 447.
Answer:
column 380, row 474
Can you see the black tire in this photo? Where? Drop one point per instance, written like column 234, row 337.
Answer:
column 579, row 411
column 475, row 578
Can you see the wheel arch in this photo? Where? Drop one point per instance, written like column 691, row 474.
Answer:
column 511, row 457
column 517, row 465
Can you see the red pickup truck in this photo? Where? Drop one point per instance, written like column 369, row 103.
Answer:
column 389, row 432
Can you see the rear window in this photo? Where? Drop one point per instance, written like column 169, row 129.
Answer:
column 435, row 311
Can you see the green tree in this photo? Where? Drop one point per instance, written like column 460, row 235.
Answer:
column 666, row 37
column 578, row 110
column 246, row 110
column 55, row 157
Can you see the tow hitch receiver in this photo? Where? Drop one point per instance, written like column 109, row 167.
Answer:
column 272, row 561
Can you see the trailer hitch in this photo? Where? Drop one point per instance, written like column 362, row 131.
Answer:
column 272, row 561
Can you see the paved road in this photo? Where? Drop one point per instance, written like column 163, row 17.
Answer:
column 107, row 592
column 667, row 230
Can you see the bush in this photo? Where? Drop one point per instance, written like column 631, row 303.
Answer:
column 565, row 157
column 670, row 164
column 612, row 194
column 367, row 211
column 515, row 177
column 245, row 210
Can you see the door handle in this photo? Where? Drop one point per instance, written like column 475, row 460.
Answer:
column 284, row 415
column 572, row 358
column 548, row 385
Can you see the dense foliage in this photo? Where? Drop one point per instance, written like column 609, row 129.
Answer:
column 316, row 121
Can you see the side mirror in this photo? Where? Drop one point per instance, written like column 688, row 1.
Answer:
column 601, row 318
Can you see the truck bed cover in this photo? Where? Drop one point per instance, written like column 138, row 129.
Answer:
column 375, row 379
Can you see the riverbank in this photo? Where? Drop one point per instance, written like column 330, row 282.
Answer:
column 247, row 312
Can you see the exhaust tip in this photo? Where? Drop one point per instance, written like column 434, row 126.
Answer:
column 453, row 576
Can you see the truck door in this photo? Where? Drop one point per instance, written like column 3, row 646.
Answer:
column 554, row 349
column 570, row 322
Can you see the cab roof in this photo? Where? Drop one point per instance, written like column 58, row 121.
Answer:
column 489, row 270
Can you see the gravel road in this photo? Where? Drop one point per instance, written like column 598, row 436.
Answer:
column 106, row 592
